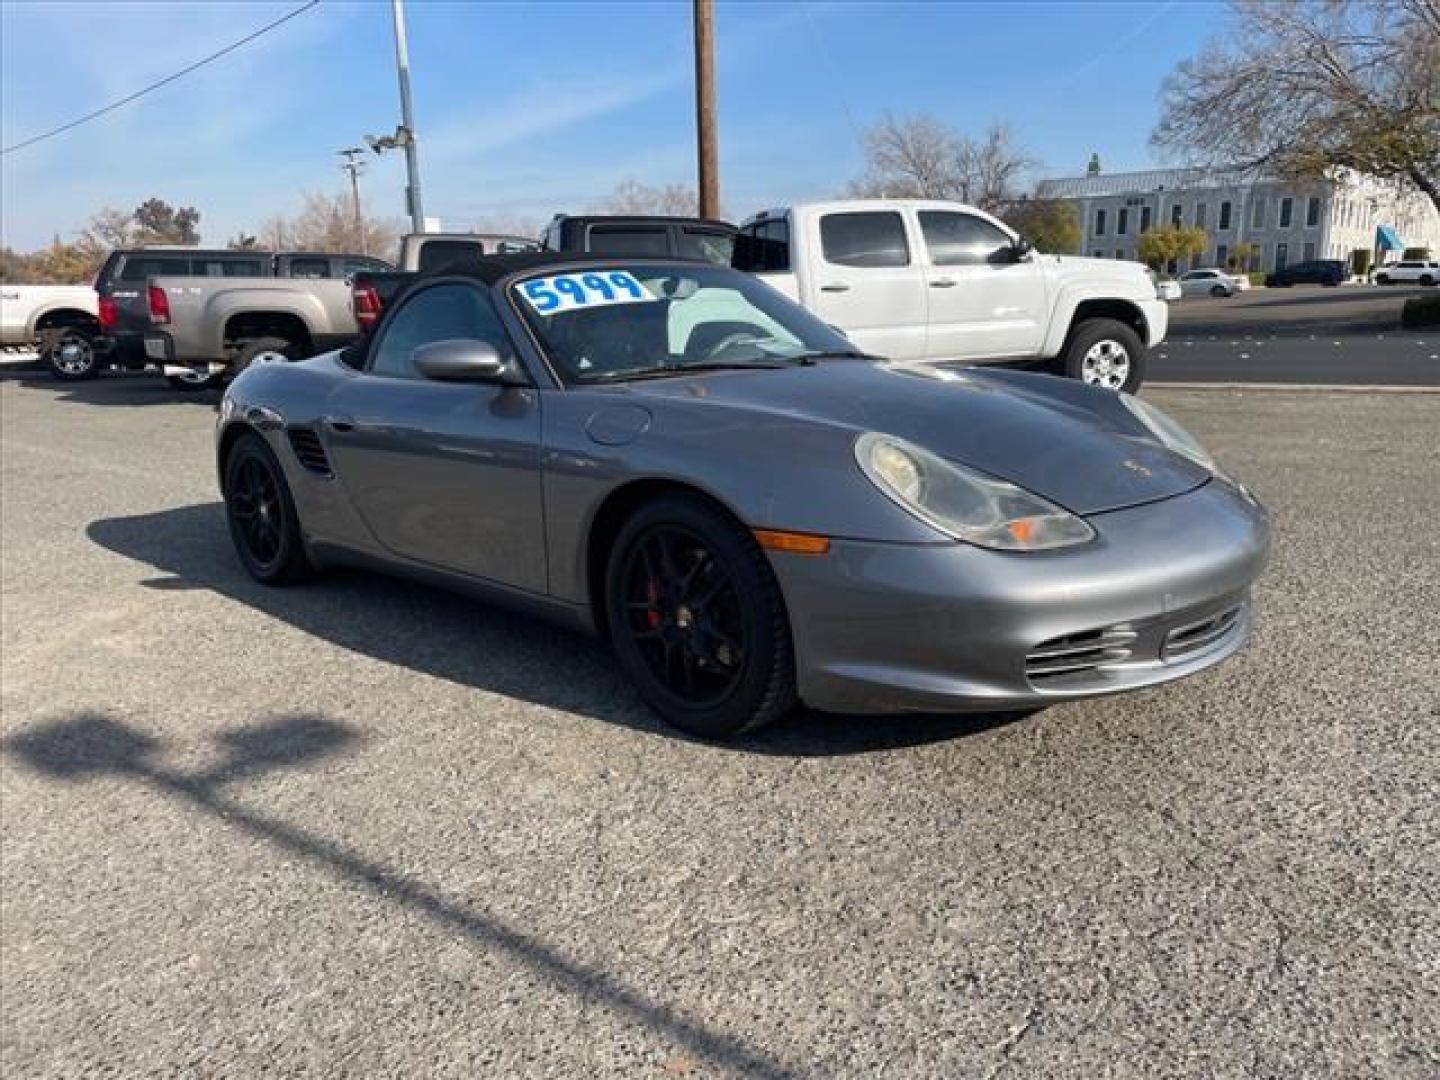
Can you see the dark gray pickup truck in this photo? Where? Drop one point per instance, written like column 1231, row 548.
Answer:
column 127, row 301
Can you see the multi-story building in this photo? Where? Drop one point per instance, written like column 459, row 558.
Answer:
column 1286, row 222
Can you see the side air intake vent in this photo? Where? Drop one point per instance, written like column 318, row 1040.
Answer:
column 309, row 450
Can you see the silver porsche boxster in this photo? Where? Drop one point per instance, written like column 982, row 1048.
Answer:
column 675, row 456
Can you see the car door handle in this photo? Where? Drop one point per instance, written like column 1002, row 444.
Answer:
column 943, row 283
column 835, row 286
column 339, row 423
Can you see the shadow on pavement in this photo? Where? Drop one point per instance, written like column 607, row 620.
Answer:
column 473, row 644
column 92, row 744
column 124, row 389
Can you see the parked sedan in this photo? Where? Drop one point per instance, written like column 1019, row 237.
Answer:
column 1210, row 281
column 675, row 456
column 1410, row 272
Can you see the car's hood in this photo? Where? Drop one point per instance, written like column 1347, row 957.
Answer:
column 1036, row 431
column 1121, row 272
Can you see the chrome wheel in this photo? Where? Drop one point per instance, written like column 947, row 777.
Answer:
column 1107, row 364
column 72, row 357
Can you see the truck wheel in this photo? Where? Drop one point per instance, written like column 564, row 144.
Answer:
column 1427, row 279
column 71, row 357
column 1382, row 279
column 265, row 350
column 1105, row 353
column 194, row 380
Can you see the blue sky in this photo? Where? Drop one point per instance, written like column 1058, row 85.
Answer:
column 527, row 109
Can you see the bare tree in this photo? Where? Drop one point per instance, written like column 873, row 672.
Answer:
column 992, row 169
column 327, row 223
column 1300, row 87
column 633, row 197
column 918, row 157
column 508, row 225
column 106, row 230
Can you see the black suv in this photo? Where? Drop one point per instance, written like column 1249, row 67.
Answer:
column 637, row 235
column 124, row 305
column 1315, row 272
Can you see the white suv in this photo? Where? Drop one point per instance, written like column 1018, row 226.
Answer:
column 1409, row 272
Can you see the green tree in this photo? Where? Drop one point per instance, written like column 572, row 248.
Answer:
column 1298, row 88
column 1169, row 244
column 160, row 223
column 1240, row 256
column 1052, row 225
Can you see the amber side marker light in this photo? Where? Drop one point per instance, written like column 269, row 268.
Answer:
column 793, row 542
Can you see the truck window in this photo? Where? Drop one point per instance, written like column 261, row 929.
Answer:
column 310, row 268
column 867, row 238
column 708, row 244
column 140, row 267
column 512, row 247
column 763, row 247
column 223, row 267
column 627, row 240
column 957, row 239
column 437, row 253
column 361, row 265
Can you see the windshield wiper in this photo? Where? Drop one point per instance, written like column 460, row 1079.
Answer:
column 834, row 354
column 669, row 370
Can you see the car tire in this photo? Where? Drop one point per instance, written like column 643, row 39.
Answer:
column 268, row 347
column 1382, row 279
column 696, row 619
column 264, row 525
column 1091, row 341
column 1427, row 279
column 71, row 356
column 1219, row 291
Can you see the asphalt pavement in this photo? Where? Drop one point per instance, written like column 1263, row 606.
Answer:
column 362, row 828
column 1347, row 336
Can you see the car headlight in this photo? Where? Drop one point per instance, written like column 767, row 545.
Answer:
column 1169, row 433
column 967, row 505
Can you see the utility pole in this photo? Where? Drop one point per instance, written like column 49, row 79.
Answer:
column 709, row 180
column 353, row 165
column 407, row 121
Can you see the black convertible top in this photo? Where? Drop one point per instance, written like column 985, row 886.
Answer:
column 491, row 268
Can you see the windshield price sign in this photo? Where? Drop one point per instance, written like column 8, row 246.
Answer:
column 566, row 292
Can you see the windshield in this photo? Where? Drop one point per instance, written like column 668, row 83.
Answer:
column 624, row 321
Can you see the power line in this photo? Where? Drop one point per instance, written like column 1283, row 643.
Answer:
column 155, row 86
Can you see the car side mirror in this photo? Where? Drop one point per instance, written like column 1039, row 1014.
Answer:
column 463, row 360
column 1021, row 249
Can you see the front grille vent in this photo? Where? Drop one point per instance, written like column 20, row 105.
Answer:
column 1196, row 636
column 309, row 450
column 1076, row 656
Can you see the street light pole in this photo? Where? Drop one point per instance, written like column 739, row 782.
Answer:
column 709, row 181
column 353, row 165
column 407, row 121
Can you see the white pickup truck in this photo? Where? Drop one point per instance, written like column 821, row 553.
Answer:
column 58, row 321
column 919, row 280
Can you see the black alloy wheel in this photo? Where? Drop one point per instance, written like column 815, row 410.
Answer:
column 697, row 620
column 263, row 523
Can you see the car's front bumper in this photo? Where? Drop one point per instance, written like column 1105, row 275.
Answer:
column 1162, row 592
